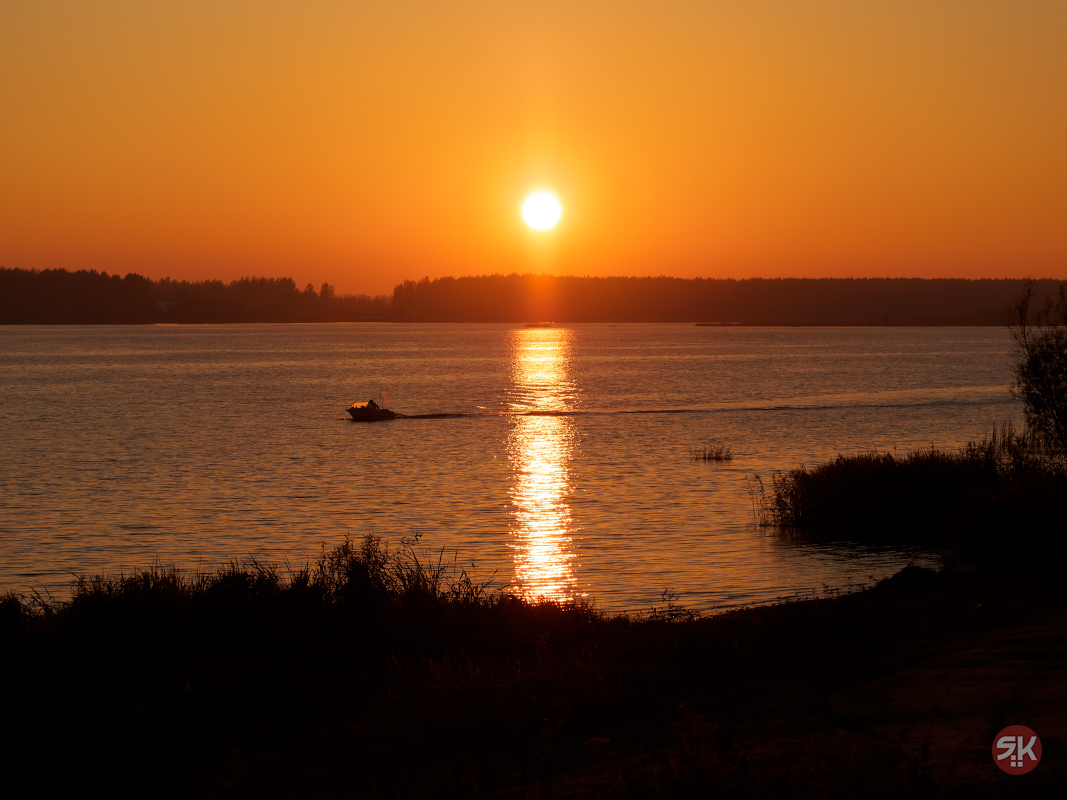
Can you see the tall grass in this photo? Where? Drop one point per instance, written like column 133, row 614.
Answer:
column 1003, row 483
column 366, row 573
column 389, row 650
column 360, row 601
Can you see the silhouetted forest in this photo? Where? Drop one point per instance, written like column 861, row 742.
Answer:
column 90, row 297
column 87, row 297
column 793, row 301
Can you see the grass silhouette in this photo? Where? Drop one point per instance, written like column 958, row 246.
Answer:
column 965, row 501
column 390, row 673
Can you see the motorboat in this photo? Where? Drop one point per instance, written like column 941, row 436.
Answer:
column 370, row 412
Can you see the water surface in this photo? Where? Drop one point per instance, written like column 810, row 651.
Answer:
column 564, row 470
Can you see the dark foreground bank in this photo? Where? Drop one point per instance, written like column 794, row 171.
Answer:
column 375, row 674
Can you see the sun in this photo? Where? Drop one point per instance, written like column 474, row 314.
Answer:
column 541, row 210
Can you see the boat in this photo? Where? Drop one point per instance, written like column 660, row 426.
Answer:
column 539, row 324
column 370, row 412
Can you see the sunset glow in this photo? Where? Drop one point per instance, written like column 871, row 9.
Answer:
column 364, row 145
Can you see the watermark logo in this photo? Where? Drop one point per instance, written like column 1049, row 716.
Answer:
column 1016, row 749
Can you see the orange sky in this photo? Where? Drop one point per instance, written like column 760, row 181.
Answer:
column 363, row 143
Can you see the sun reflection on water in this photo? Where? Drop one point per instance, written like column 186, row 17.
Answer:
column 540, row 445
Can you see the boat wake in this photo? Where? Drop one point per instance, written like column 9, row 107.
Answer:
column 871, row 403
column 435, row 416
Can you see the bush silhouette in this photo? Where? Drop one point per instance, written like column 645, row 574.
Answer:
column 1040, row 367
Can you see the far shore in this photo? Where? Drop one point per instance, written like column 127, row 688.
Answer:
column 59, row 296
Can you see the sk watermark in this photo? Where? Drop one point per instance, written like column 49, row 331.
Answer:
column 1016, row 749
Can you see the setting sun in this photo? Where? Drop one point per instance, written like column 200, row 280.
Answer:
column 541, row 210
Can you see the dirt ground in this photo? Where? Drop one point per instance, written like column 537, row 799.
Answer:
column 914, row 716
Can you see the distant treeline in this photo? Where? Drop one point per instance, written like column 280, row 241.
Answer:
column 792, row 301
column 85, row 297
column 90, row 297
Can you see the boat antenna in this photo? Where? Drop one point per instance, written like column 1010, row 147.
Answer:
column 384, row 397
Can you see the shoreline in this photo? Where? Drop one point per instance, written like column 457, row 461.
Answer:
column 894, row 689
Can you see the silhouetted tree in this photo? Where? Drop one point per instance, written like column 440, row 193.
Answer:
column 1040, row 368
column 790, row 301
column 87, row 297
column 56, row 296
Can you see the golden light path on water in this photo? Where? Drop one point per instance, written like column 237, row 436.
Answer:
column 540, row 447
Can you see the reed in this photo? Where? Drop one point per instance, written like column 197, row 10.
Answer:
column 712, row 452
column 1004, row 483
